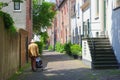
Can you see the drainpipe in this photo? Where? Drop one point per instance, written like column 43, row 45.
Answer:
column 89, row 22
column 69, row 1
column 105, row 18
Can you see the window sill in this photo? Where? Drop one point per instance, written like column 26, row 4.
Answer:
column 17, row 11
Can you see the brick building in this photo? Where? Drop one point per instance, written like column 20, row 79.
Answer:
column 63, row 21
column 61, row 25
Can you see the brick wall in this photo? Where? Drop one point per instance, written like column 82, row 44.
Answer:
column 64, row 21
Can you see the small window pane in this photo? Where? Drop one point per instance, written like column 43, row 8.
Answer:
column 16, row 5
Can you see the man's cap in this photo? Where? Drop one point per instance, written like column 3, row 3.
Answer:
column 32, row 40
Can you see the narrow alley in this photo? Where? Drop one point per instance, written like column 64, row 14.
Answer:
column 79, row 28
column 58, row 66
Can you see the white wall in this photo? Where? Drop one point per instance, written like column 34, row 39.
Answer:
column 19, row 17
column 78, row 13
column 95, row 23
column 86, row 55
column 73, row 25
column 86, row 14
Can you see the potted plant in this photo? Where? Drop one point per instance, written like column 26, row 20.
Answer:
column 76, row 50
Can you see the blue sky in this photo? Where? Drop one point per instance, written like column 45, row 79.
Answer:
column 50, row 0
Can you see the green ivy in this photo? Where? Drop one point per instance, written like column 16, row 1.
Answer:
column 3, row 5
column 17, row 0
column 40, row 45
column 8, row 22
column 12, row 29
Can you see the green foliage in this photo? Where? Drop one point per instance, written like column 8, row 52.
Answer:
column 40, row 45
column 44, row 36
column 42, row 15
column 8, row 22
column 76, row 49
column 3, row 5
column 17, row 0
column 12, row 29
column 67, row 48
column 59, row 47
column 50, row 48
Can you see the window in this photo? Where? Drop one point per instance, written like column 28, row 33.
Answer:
column 96, row 9
column 74, row 8
column 116, row 4
column 78, row 10
column 16, row 5
column 97, row 6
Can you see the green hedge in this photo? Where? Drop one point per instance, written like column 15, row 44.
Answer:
column 40, row 45
column 70, row 49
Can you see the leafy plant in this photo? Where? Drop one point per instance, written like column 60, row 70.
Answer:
column 12, row 29
column 8, row 22
column 67, row 48
column 40, row 45
column 43, row 15
column 2, row 4
column 44, row 36
column 50, row 48
column 59, row 47
column 76, row 49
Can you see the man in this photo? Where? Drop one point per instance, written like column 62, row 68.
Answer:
column 33, row 52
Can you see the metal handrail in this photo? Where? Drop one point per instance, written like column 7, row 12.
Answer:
column 92, row 41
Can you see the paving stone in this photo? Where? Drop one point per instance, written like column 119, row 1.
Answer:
column 58, row 66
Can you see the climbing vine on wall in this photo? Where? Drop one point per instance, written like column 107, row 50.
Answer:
column 8, row 21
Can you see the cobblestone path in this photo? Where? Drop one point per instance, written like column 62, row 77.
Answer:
column 59, row 66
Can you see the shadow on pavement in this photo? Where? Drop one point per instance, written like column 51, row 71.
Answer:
column 69, row 74
column 70, row 69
